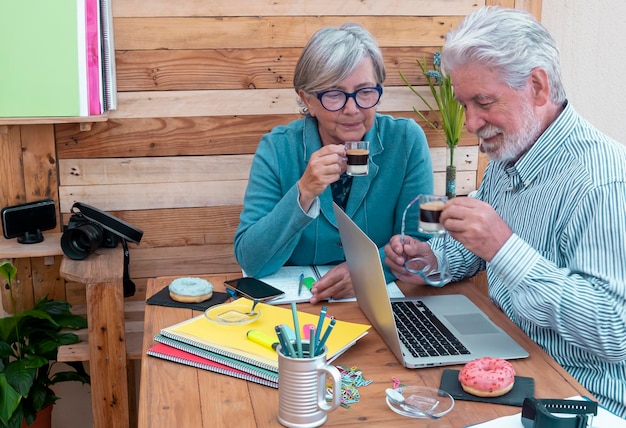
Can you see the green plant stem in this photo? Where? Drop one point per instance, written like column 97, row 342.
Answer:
column 452, row 112
column 18, row 345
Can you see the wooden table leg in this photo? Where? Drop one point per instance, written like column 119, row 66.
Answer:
column 102, row 272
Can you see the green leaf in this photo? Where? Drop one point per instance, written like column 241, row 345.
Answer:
column 69, row 376
column 75, row 322
column 48, row 346
column 40, row 397
column 9, row 399
column 21, row 373
column 8, row 271
column 52, row 307
column 5, row 350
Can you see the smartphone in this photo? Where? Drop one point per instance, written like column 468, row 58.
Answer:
column 29, row 218
column 253, row 289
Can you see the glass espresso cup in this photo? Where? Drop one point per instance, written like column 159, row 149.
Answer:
column 358, row 153
column 430, row 207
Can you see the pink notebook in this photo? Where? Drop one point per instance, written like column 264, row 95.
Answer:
column 213, row 362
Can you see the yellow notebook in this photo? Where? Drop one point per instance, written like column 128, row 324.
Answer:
column 231, row 340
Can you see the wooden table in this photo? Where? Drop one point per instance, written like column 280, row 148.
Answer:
column 174, row 395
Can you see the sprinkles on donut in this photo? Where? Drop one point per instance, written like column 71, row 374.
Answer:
column 487, row 377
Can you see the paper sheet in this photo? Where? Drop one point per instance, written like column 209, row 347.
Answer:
column 287, row 279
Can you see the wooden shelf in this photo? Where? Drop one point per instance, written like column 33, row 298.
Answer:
column 50, row 246
column 53, row 120
column 84, row 121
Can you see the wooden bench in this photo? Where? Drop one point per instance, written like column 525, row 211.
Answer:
column 113, row 402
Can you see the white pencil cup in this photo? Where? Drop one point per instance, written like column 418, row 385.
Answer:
column 302, row 389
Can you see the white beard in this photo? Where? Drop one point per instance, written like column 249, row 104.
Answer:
column 511, row 146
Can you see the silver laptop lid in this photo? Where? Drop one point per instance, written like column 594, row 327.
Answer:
column 368, row 280
column 456, row 312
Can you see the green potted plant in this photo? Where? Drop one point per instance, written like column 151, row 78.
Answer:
column 29, row 342
column 452, row 112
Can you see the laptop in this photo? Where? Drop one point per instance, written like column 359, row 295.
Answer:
column 450, row 329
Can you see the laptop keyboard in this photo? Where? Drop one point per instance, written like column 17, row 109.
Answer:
column 422, row 332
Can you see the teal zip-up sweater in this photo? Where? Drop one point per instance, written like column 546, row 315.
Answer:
column 274, row 230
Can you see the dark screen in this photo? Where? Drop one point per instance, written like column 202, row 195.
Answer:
column 254, row 288
column 30, row 217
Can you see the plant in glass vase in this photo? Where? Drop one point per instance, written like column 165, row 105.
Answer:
column 451, row 111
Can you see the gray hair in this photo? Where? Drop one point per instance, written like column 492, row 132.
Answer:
column 510, row 40
column 331, row 55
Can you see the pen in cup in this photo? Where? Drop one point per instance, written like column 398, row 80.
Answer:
column 322, row 343
column 290, row 351
column 320, row 324
column 296, row 328
column 281, row 340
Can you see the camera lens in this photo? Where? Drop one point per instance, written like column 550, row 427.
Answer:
column 77, row 243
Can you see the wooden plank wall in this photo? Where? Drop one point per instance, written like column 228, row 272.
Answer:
column 198, row 83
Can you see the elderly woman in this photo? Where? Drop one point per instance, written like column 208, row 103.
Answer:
column 300, row 169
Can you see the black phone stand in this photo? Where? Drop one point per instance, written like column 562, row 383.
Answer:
column 30, row 237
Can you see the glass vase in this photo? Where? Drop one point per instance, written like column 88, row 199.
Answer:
column 450, row 181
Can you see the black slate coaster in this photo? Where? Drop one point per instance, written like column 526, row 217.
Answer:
column 162, row 298
column 523, row 387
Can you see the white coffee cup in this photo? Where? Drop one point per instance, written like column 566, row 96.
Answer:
column 302, row 389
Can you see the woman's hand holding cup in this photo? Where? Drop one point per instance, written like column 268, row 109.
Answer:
column 325, row 167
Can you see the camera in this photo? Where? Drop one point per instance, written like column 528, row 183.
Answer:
column 82, row 237
column 90, row 228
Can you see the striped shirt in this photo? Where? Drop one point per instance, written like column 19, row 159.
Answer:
column 561, row 277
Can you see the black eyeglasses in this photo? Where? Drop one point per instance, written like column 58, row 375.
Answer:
column 335, row 100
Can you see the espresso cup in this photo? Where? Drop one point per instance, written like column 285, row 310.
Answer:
column 358, row 153
column 302, row 388
column 431, row 207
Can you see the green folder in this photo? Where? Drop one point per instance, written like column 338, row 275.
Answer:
column 42, row 58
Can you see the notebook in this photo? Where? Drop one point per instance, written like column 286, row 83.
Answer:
column 287, row 279
column 231, row 340
column 182, row 353
column 465, row 332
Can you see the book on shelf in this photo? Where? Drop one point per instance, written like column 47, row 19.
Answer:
column 94, row 63
column 109, row 79
column 182, row 353
column 58, row 58
column 230, row 340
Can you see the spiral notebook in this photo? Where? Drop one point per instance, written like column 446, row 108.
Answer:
column 231, row 340
column 186, row 354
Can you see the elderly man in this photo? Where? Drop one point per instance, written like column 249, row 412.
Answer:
column 548, row 223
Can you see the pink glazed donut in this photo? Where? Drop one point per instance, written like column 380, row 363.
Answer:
column 487, row 377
